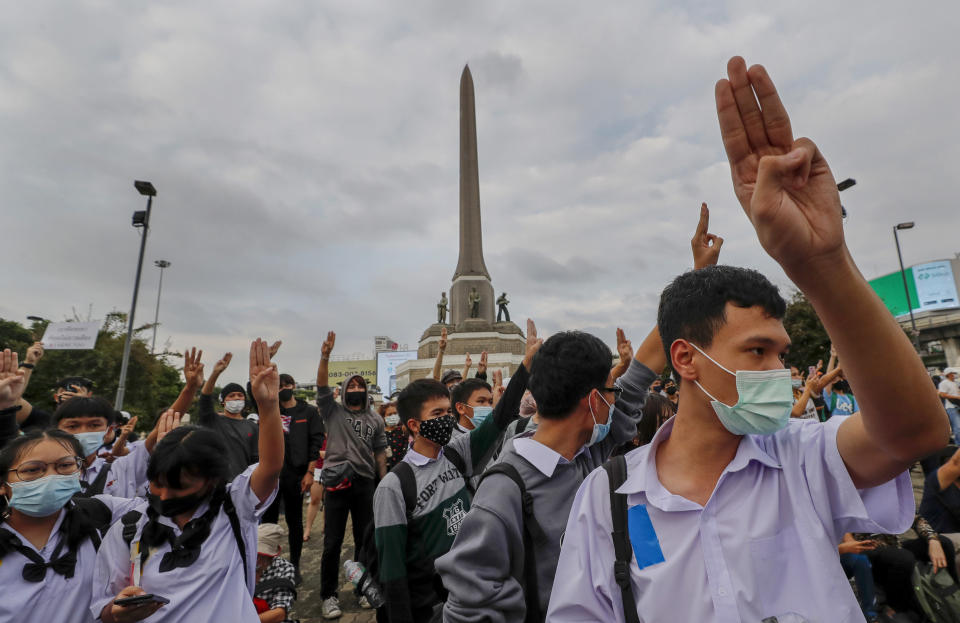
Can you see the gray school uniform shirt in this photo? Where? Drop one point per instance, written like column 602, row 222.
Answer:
column 483, row 571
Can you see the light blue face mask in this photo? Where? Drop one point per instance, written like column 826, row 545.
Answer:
column 90, row 442
column 600, row 430
column 44, row 496
column 479, row 415
column 764, row 404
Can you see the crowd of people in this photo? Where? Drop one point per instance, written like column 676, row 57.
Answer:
column 692, row 478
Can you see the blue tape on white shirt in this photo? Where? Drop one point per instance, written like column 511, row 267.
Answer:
column 643, row 538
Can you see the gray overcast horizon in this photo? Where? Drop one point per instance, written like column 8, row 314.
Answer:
column 306, row 155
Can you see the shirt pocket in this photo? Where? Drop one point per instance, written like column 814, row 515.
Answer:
column 778, row 564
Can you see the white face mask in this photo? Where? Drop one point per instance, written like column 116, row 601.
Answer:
column 234, row 406
column 392, row 420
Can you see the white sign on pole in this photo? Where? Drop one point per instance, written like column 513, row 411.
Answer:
column 71, row 335
column 387, row 364
column 935, row 285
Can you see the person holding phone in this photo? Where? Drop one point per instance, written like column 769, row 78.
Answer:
column 194, row 541
column 49, row 537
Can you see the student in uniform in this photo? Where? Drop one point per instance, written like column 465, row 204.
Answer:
column 194, row 542
column 48, row 539
column 89, row 420
column 410, row 538
column 733, row 502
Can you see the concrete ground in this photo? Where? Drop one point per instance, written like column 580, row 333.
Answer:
column 307, row 607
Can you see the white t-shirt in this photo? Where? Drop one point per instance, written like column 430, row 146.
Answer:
column 949, row 387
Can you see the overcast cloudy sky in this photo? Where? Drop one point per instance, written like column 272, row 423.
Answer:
column 305, row 154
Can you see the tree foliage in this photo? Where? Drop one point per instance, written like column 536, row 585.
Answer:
column 810, row 340
column 152, row 384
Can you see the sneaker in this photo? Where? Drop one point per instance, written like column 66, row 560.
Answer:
column 364, row 603
column 297, row 578
column 331, row 608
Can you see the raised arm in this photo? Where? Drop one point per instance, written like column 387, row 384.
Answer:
column 265, row 386
column 467, row 364
column 790, row 196
column 323, row 369
column 33, row 355
column 441, row 346
column 625, row 351
column 218, row 369
column 12, row 384
column 193, row 375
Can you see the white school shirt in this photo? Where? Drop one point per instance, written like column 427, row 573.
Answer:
column 128, row 474
column 948, row 387
column 765, row 543
column 215, row 588
column 56, row 598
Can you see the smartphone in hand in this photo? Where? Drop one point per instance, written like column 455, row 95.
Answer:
column 137, row 600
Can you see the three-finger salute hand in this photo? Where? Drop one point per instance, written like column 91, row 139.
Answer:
column 705, row 246
column 327, row 347
column 264, row 378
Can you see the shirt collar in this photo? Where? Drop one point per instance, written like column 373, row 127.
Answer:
column 419, row 460
column 646, row 480
column 544, row 458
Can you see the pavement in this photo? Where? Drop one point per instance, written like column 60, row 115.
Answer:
column 307, row 606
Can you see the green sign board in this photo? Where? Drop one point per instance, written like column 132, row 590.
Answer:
column 890, row 290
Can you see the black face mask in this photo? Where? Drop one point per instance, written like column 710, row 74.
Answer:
column 671, row 391
column 438, row 430
column 286, row 394
column 171, row 507
column 355, row 399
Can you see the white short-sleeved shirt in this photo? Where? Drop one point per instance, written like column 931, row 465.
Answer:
column 765, row 543
column 949, row 387
column 56, row 598
column 215, row 588
column 128, row 474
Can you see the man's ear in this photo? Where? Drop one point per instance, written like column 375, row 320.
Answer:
column 460, row 411
column 681, row 357
column 413, row 429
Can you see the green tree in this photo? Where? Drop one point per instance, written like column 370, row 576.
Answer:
column 152, row 384
column 810, row 340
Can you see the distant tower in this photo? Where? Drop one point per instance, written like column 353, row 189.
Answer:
column 471, row 270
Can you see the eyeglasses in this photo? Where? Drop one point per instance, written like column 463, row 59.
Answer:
column 32, row 470
column 616, row 391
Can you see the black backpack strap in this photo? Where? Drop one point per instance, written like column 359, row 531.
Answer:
column 616, row 469
column 274, row 584
column 522, row 424
column 97, row 515
column 533, row 537
column 408, row 486
column 129, row 521
column 231, row 512
column 96, row 487
column 454, row 457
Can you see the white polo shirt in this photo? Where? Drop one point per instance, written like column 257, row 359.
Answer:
column 56, row 598
column 215, row 588
column 765, row 543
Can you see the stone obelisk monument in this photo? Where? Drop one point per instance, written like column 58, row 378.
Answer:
column 471, row 327
column 471, row 276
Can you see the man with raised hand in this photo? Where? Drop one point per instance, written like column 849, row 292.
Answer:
column 733, row 502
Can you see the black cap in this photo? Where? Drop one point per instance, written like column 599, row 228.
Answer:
column 451, row 375
column 229, row 388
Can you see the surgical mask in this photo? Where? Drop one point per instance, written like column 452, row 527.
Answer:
column 44, row 496
column 392, row 420
column 764, row 404
column 286, row 395
column 796, row 383
column 480, row 414
column 600, row 430
column 234, row 406
column 438, row 430
column 171, row 507
column 90, row 442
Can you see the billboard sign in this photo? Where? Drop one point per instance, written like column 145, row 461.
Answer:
column 932, row 286
column 387, row 364
column 340, row 371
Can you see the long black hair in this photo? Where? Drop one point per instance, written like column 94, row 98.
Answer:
column 198, row 452
column 11, row 452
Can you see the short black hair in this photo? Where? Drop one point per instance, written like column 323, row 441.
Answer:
column 83, row 406
column 200, row 452
column 567, row 367
column 461, row 392
column 286, row 379
column 693, row 306
column 411, row 399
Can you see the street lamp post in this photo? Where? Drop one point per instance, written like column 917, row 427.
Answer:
column 141, row 218
column 915, row 336
column 161, row 264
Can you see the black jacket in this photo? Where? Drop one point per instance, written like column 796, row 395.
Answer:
column 305, row 439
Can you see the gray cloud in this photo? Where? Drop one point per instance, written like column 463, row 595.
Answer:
column 306, row 155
